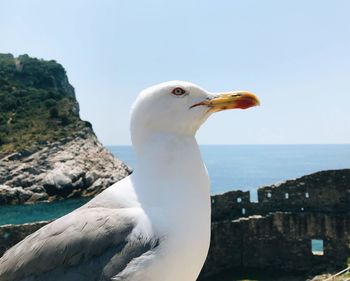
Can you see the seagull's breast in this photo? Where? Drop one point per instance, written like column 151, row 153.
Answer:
column 186, row 241
column 183, row 229
column 177, row 202
column 171, row 187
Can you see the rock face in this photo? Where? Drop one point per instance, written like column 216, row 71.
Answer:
column 77, row 166
column 46, row 151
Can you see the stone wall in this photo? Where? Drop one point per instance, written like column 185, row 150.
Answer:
column 276, row 232
column 11, row 234
column 326, row 191
column 323, row 191
column 279, row 241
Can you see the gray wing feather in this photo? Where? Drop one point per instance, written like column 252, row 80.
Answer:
column 87, row 244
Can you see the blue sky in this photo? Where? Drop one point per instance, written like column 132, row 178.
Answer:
column 295, row 55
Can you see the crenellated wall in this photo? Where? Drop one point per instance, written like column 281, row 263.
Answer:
column 276, row 232
column 323, row 191
column 326, row 191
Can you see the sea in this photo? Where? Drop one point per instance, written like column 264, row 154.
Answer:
column 230, row 167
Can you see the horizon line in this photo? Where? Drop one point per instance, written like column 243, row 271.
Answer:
column 247, row 144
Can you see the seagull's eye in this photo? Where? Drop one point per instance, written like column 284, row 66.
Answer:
column 178, row 91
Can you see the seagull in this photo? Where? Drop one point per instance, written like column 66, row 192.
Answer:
column 151, row 226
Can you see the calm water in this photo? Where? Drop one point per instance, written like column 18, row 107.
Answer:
column 248, row 167
column 38, row 212
column 230, row 167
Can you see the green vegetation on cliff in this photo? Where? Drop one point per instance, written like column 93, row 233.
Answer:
column 37, row 104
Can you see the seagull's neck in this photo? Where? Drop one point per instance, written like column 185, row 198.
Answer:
column 171, row 166
column 172, row 186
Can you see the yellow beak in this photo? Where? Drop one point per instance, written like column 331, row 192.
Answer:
column 230, row 100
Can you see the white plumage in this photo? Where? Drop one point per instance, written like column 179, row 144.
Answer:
column 153, row 225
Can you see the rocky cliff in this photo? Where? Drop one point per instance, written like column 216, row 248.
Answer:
column 46, row 151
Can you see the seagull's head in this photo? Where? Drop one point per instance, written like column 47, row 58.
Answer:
column 180, row 108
